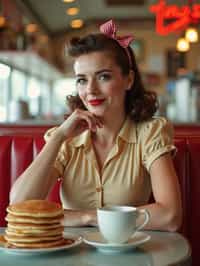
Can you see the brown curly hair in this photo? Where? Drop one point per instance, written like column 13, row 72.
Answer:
column 140, row 104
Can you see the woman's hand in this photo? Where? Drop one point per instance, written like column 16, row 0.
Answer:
column 78, row 122
column 80, row 218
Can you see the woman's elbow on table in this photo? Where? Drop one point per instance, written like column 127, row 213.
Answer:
column 174, row 221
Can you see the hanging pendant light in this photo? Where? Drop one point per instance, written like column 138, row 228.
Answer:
column 191, row 35
column 182, row 45
column 2, row 21
column 76, row 23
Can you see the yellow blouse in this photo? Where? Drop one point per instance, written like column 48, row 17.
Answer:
column 124, row 178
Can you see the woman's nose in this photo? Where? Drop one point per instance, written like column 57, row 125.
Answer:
column 92, row 86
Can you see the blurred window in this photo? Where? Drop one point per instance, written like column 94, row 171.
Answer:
column 62, row 88
column 4, row 91
column 34, row 96
column 18, row 84
column 45, row 99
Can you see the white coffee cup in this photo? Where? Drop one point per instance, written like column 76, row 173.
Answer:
column 118, row 223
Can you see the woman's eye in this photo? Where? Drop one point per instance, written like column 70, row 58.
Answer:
column 104, row 77
column 80, row 81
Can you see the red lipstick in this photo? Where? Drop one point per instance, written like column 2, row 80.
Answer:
column 96, row 102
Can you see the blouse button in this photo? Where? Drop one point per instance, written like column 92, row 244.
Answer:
column 99, row 189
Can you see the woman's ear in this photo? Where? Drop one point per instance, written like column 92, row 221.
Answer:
column 131, row 77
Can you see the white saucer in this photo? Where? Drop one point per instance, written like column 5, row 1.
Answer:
column 96, row 239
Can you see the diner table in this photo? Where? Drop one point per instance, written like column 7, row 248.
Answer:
column 163, row 248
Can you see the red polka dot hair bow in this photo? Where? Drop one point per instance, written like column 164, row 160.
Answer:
column 109, row 29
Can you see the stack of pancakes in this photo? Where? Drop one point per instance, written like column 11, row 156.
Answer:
column 34, row 224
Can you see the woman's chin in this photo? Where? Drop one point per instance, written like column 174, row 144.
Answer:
column 96, row 112
column 99, row 114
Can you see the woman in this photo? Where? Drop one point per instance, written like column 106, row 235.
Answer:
column 110, row 150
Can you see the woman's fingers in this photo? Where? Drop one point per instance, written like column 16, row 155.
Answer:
column 98, row 121
column 93, row 121
column 78, row 122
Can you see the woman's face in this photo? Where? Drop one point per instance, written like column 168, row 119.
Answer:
column 100, row 83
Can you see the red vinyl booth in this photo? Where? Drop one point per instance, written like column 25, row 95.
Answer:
column 18, row 150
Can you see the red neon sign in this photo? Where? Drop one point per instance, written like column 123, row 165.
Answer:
column 183, row 16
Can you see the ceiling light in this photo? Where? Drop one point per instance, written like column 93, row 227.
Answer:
column 72, row 11
column 76, row 23
column 68, row 1
column 191, row 35
column 2, row 21
column 31, row 27
column 182, row 45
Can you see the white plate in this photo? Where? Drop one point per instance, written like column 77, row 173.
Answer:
column 22, row 251
column 96, row 239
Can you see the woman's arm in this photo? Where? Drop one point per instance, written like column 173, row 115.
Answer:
column 37, row 180
column 39, row 177
column 166, row 212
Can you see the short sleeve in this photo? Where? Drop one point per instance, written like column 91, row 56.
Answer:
column 61, row 159
column 157, row 139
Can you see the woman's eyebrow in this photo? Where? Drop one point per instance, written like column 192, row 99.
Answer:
column 80, row 75
column 96, row 73
column 103, row 70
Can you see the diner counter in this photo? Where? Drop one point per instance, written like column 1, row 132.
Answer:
column 163, row 248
